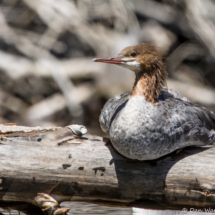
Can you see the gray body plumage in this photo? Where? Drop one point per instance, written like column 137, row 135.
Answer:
column 140, row 130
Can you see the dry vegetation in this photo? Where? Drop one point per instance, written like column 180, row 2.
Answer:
column 47, row 47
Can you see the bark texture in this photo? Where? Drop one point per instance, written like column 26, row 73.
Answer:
column 71, row 168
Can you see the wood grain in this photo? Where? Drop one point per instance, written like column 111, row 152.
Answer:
column 71, row 168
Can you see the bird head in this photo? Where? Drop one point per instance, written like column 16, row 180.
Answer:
column 140, row 58
column 148, row 66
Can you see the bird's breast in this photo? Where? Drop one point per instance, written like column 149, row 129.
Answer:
column 137, row 113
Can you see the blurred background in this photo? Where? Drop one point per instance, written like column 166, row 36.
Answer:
column 47, row 76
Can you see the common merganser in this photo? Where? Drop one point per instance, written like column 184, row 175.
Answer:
column 152, row 121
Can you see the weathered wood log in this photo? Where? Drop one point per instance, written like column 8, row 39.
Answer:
column 68, row 167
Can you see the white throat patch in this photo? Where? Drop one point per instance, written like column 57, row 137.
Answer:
column 132, row 65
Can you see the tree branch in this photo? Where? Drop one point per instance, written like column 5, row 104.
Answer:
column 68, row 167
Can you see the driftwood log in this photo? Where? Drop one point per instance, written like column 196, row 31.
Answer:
column 44, row 167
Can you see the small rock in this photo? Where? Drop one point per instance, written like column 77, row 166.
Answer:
column 78, row 130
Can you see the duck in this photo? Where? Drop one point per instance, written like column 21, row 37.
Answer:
column 152, row 120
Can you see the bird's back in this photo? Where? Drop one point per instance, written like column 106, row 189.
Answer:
column 140, row 130
column 114, row 105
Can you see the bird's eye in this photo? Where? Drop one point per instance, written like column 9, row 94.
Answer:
column 133, row 54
